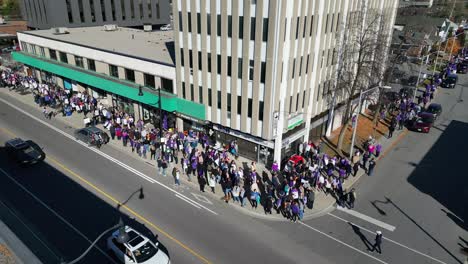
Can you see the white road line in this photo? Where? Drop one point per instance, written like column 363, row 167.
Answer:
column 123, row 165
column 343, row 243
column 55, row 213
column 367, row 218
column 182, row 198
column 388, row 239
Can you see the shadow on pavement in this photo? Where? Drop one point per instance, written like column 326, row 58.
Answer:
column 364, row 239
column 442, row 172
column 47, row 236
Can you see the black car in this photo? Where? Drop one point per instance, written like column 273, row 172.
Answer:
column 88, row 135
column 435, row 109
column 450, row 81
column 24, row 152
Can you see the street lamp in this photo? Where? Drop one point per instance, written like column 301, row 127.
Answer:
column 140, row 93
column 122, row 238
column 359, row 112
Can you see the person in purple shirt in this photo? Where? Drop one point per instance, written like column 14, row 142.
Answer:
column 378, row 150
column 295, row 211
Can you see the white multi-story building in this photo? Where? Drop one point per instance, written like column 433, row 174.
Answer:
column 263, row 68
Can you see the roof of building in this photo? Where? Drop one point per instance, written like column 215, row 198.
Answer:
column 154, row 46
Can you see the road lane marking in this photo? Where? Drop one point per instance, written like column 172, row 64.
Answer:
column 116, row 201
column 367, row 218
column 56, row 214
column 182, row 198
column 388, row 239
column 343, row 243
column 201, row 198
column 121, row 164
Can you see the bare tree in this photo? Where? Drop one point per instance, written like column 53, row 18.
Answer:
column 363, row 57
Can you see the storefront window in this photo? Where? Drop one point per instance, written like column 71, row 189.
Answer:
column 123, row 104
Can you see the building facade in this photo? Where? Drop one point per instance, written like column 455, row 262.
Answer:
column 263, row 68
column 43, row 14
column 112, row 66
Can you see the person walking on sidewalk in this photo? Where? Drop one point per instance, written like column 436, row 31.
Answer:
column 378, row 243
column 211, row 182
column 365, row 158
column 176, row 175
column 391, row 129
column 164, row 167
column 202, row 183
column 371, row 167
column 351, row 198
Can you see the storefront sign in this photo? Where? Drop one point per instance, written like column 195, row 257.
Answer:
column 190, row 118
column 239, row 134
column 295, row 121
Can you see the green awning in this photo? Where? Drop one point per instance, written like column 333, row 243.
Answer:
column 170, row 104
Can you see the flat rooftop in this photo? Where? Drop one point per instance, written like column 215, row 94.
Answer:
column 156, row 46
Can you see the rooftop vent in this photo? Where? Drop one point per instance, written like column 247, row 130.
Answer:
column 111, row 27
column 148, row 28
column 60, row 30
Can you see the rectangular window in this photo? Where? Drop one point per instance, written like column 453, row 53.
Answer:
column 251, row 70
column 326, row 23
column 93, row 14
column 150, row 9
column 331, row 22
column 219, row 99
column 63, row 57
column 113, row 10
column 53, row 54
column 229, row 66
column 190, row 59
column 338, row 22
column 239, row 105
column 24, row 47
column 181, row 26
column 265, row 29
column 300, row 67
column 130, row 75
column 79, row 61
column 158, row 14
column 208, row 24
column 210, row 103
column 192, row 92
column 80, row 8
column 199, row 61
column 297, row 28
column 218, row 20
column 305, row 27
column 41, row 51
column 91, row 65
column 219, row 64
column 303, row 99
column 183, row 91
column 140, row 4
column 252, row 28
column 113, row 71
column 239, row 68
column 230, row 26
column 307, row 64
column 198, row 23
column 249, row 110
column 263, row 72
column 103, row 10
column 293, row 68
column 209, row 62
column 189, row 21
column 241, row 27
column 228, row 106
column 182, row 57
column 149, row 80
column 200, row 94
column 285, row 24
column 311, row 26
column 132, row 8
column 260, row 111
column 69, row 11
column 33, row 48
column 122, row 7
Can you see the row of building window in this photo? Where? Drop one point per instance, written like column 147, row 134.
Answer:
column 229, row 97
column 229, row 26
column 142, row 4
column 229, row 65
column 149, row 80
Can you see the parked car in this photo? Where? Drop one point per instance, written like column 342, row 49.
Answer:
column 87, row 135
column 289, row 162
column 435, row 109
column 138, row 248
column 450, row 81
column 24, row 152
column 422, row 123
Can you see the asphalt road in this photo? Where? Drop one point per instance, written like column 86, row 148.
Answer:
column 418, row 193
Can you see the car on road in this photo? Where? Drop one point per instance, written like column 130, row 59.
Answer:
column 137, row 249
column 87, row 135
column 435, row 109
column 450, row 81
column 24, row 152
column 422, row 123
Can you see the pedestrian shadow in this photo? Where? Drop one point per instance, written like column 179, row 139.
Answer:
column 379, row 210
column 363, row 238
